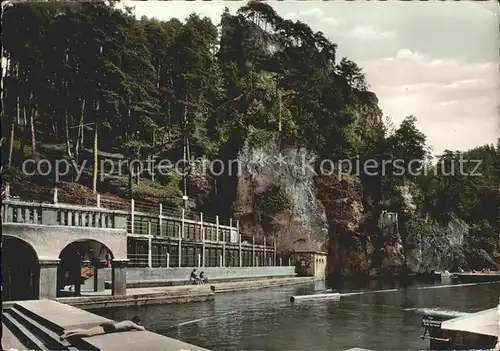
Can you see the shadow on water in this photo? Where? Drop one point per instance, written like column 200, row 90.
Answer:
column 266, row 320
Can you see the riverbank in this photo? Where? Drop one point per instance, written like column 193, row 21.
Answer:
column 173, row 294
column 468, row 277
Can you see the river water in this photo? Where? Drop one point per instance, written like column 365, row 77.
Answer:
column 266, row 320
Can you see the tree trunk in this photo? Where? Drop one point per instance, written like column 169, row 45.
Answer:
column 79, row 140
column 151, row 164
column 96, row 152
column 184, row 193
column 22, row 133
column 188, row 152
column 33, row 133
column 278, row 94
column 25, row 119
column 22, row 140
column 66, row 131
column 137, row 174
column 11, row 142
column 96, row 159
column 186, row 138
column 17, row 111
column 169, row 114
column 130, row 181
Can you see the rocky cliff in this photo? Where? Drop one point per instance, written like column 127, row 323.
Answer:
column 277, row 195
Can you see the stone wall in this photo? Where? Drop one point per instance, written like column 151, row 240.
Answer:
column 310, row 263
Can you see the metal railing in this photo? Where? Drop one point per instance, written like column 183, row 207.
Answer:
column 146, row 222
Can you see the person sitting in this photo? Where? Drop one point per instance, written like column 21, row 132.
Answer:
column 194, row 277
column 203, row 278
column 104, row 328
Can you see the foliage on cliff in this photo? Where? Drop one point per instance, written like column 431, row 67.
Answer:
column 85, row 81
column 95, row 81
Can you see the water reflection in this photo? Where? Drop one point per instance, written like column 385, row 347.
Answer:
column 266, row 320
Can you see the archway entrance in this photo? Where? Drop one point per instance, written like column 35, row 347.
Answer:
column 79, row 261
column 20, row 270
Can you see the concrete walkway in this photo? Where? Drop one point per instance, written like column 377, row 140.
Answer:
column 173, row 294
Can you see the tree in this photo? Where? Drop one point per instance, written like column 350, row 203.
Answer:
column 353, row 73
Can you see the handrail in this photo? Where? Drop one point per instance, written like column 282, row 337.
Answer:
column 137, row 219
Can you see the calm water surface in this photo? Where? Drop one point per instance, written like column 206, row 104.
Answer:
column 266, row 320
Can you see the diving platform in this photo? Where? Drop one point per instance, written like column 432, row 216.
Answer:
column 37, row 324
column 474, row 331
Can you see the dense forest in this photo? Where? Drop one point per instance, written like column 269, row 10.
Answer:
column 85, row 81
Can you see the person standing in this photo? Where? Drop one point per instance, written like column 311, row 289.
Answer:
column 109, row 260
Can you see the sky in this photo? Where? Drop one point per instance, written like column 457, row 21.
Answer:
column 435, row 60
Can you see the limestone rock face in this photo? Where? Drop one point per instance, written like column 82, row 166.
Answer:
column 276, row 196
column 433, row 247
column 200, row 181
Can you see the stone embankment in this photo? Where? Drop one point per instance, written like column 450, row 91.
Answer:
column 174, row 294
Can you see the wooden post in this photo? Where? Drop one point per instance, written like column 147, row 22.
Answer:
column 223, row 254
column 239, row 242
column 199, row 260
column 253, row 251
column 220, row 261
column 217, row 226
column 150, row 249
column 274, row 244
column 132, row 216
column 240, row 253
column 7, row 191
column 281, row 261
column 182, row 224
column 265, row 253
column 54, row 198
column 168, row 260
column 202, row 232
column 160, row 220
column 98, row 199
column 179, row 247
column 5, row 207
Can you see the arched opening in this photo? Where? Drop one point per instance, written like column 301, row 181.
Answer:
column 79, row 261
column 20, row 270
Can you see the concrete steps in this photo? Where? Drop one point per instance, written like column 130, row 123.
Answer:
column 10, row 341
column 23, row 334
column 38, row 323
column 32, row 331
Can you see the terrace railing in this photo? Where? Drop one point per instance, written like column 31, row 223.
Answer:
column 141, row 220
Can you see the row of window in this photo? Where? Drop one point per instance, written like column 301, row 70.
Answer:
column 192, row 231
column 138, row 255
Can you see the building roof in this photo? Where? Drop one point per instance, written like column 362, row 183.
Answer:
column 483, row 322
column 311, row 251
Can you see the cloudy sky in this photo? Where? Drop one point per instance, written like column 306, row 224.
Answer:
column 435, row 60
